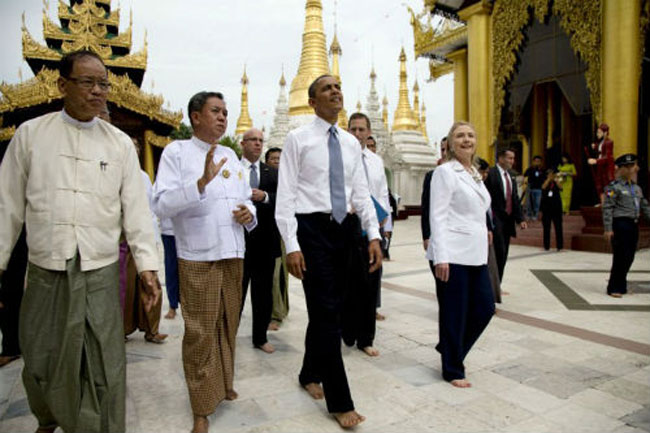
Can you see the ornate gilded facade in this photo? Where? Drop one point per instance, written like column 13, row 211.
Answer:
column 90, row 25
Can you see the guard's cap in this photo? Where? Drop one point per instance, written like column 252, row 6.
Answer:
column 627, row 159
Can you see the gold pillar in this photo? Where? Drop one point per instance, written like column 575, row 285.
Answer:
column 550, row 120
column 477, row 17
column 621, row 63
column 538, row 113
column 459, row 58
column 148, row 160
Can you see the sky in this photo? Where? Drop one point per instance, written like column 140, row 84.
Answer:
column 196, row 45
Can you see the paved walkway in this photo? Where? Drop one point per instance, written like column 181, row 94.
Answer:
column 559, row 356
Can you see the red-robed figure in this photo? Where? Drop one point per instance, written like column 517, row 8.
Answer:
column 600, row 156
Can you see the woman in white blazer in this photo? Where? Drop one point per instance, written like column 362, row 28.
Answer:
column 458, row 251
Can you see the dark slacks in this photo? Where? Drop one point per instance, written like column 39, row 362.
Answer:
column 259, row 267
column 326, row 247
column 11, row 295
column 501, row 241
column 359, row 323
column 556, row 219
column 171, row 270
column 624, row 244
column 466, row 305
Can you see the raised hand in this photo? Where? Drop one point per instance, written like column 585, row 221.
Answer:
column 210, row 169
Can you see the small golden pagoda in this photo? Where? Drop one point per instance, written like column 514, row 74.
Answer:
column 313, row 59
column 384, row 112
column 90, row 25
column 244, row 123
column 404, row 119
column 416, row 104
column 423, row 121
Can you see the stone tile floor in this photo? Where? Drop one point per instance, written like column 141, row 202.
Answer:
column 541, row 366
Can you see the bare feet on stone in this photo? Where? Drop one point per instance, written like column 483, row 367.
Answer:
column 266, row 347
column 379, row 316
column 504, row 293
column 274, row 326
column 170, row 314
column 461, row 383
column 201, row 424
column 4, row 360
column 370, row 351
column 231, row 395
column 315, row 390
column 349, row 419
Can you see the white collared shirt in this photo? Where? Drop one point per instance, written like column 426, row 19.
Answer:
column 303, row 182
column 458, row 216
column 203, row 224
column 377, row 183
column 77, row 186
column 247, row 173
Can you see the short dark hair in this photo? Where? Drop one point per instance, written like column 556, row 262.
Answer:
column 502, row 152
column 311, row 92
column 67, row 62
column 537, row 157
column 270, row 151
column 370, row 137
column 198, row 101
column 359, row 116
column 444, row 139
column 483, row 164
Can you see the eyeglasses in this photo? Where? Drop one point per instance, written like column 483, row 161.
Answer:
column 89, row 83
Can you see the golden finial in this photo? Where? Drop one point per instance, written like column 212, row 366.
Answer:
column 373, row 75
column 423, row 121
column 404, row 119
column 244, row 78
column 313, row 59
column 283, row 82
column 416, row 104
column 244, row 123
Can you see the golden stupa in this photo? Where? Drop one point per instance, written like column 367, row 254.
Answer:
column 404, row 119
column 244, row 123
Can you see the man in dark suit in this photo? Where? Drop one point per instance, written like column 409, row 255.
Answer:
column 506, row 208
column 263, row 243
column 426, row 192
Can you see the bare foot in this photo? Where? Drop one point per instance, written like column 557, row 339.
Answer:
column 504, row 293
column 170, row 314
column 370, row 351
column 274, row 326
column 461, row 383
column 201, row 424
column 266, row 347
column 231, row 395
column 315, row 390
column 4, row 360
column 616, row 295
column 349, row 419
column 379, row 316
column 156, row 339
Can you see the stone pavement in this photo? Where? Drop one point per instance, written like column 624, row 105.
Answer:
column 559, row 356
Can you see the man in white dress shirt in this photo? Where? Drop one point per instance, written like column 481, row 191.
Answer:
column 75, row 181
column 202, row 188
column 359, row 316
column 321, row 181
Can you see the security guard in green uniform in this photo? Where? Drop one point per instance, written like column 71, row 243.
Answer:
column 622, row 208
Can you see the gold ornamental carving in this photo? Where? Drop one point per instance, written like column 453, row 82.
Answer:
column 156, row 140
column 580, row 20
column 38, row 90
column 437, row 69
column 7, row 133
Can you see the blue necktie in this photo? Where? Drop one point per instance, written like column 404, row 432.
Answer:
column 337, row 177
column 253, row 179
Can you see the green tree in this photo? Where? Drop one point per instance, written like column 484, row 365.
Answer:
column 183, row 132
column 231, row 142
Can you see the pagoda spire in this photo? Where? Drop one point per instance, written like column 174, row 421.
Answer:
column 404, row 119
column 335, row 52
column 384, row 111
column 423, row 121
column 313, row 59
column 280, row 127
column 244, row 123
column 416, row 103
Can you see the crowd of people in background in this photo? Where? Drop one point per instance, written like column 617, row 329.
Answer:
column 318, row 209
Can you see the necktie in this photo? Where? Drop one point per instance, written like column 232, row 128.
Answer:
column 254, row 179
column 508, row 193
column 365, row 167
column 337, row 178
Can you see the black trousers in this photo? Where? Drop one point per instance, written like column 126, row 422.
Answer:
column 360, row 307
column 258, row 270
column 501, row 241
column 326, row 247
column 465, row 307
column 624, row 244
column 556, row 219
column 11, row 295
